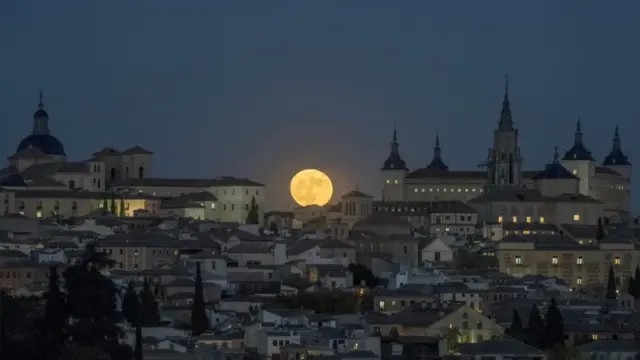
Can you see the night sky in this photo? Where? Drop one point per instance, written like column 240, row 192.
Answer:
column 262, row 89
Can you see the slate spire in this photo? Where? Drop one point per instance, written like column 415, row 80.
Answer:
column 616, row 156
column 436, row 162
column 506, row 121
column 394, row 161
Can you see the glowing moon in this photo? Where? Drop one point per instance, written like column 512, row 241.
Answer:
column 311, row 187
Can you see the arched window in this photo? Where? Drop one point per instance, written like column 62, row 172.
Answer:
column 72, row 184
column 126, row 172
column 113, row 173
column 141, row 172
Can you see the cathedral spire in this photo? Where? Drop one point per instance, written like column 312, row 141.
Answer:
column 556, row 156
column 437, row 151
column 506, row 121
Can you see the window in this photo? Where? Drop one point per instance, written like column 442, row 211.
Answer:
column 213, row 206
column 500, row 219
column 579, row 260
column 579, row 280
column 39, row 214
column 574, row 172
column 72, row 184
column 541, row 219
column 594, row 336
column 518, row 260
column 554, row 260
column 388, row 181
column 381, row 305
column 576, row 217
column 514, row 219
column 141, row 172
column 528, row 219
column 616, row 260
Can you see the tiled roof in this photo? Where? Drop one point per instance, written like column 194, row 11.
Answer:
column 201, row 183
column 356, row 194
column 136, row 150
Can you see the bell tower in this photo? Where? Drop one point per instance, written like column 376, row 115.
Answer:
column 504, row 162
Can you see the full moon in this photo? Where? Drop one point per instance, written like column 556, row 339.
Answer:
column 311, row 187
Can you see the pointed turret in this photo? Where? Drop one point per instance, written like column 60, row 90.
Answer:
column 554, row 171
column 578, row 151
column 506, row 121
column 394, row 161
column 436, row 162
column 616, row 156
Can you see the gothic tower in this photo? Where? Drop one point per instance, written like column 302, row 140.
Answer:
column 504, row 163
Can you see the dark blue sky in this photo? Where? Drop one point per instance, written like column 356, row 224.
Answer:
column 264, row 88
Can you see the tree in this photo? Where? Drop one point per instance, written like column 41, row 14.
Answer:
column 149, row 312
column 253, row 217
column 362, row 273
column 554, row 331
column 631, row 283
column 535, row 330
column 130, row 304
column 516, row 330
column 105, row 203
column 199, row 320
column 114, row 209
column 600, row 230
column 52, row 330
column 122, row 213
column 636, row 283
column 156, row 290
column 611, row 293
column 563, row 353
column 91, row 300
column 137, row 353
column 453, row 340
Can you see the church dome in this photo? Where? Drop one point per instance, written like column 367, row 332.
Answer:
column 40, row 137
column 46, row 143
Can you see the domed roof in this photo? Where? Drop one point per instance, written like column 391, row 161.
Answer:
column 40, row 137
column 46, row 143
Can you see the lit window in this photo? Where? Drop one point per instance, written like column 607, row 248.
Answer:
column 415, row 190
column 576, row 217
column 528, row 219
column 526, row 232
column 388, row 181
column 395, row 181
column 514, row 219
column 594, row 336
column 21, row 213
column 381, row 305
column 445, row 190
column 500, row 219
column 541, row 219
column 213, row 206
column 39, row 214
column 579, row 260
column 579, row 280
column 473, row 190
column 518, row 260
column 575, row 172
column 451, row 190
column 554, row 260
column 616, row 260
column 459, row 190
column 466, row 190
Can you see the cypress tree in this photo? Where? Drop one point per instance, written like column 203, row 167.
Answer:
column 636, row 283
column 123, row 212
column 105, row 203
column 611, row 285
column 535, row 331
column 149, row 312
column 137, row 353
column 516, row 330
column 554, row 332
column 55, row 318
column 199, row 320
column 156, row 290
column 130, row 304
column 600, row 230
column 253, row 217
column 631, row 283
column 113, row 209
